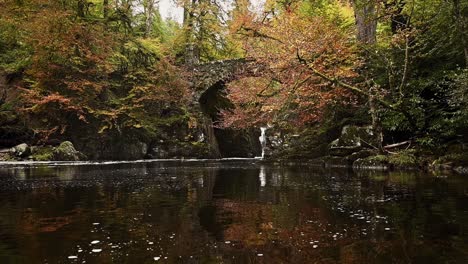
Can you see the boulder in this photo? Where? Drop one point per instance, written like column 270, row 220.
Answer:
column 357, row 136
column 67, row 152
column 21, row 150
column 114, row 149
column 135, row 151
column 353, row 139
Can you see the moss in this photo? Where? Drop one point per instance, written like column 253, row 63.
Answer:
column 378, row 158
column 6, row 157
column 404, row 158
column 43, row 153
column 457, row 159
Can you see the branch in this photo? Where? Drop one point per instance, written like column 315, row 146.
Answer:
column 257, row 33
column 345, row 85
column 397, row 145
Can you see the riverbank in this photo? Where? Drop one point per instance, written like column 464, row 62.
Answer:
column 372, row 163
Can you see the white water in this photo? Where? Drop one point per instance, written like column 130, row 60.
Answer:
column 98, row 163
column 262, row 176
column 263, row 139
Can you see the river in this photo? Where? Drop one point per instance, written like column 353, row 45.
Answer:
column 236, row 211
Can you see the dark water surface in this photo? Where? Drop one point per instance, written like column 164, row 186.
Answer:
column 229, row 212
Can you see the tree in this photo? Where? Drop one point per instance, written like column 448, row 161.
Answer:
column 366, row 20
column 205, row 30
column 300, row 53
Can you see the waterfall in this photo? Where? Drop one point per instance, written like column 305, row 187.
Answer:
column 262, row 176
column 263, row 140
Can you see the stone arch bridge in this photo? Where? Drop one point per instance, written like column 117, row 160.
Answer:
column 207, row 75
column 208, row 80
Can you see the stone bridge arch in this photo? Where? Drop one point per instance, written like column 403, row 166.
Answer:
column 208, row 81
column 206, row 75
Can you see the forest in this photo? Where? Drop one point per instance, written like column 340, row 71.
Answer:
column 344, row 82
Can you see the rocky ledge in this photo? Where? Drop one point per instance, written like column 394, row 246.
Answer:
column 65, row 151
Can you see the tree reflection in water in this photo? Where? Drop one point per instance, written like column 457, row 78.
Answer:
column 236, row 212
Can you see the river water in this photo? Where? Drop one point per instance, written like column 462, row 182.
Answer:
column 228, row 212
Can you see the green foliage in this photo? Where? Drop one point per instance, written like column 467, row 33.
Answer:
column 418, row 65
column 14, row 53
column 336, row 11
column 404, row 158
column 43, row 153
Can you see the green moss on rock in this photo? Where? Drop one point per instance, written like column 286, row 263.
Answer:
column 67, row 152
column 42, row 153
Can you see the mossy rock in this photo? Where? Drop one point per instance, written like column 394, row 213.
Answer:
column 361, row 154
column 404, row 159
column 456, row 159
column 67, row 152
column 21, row 150
column 42, row 153
column 337, row 162
column 356, row 136
column 401, row 160
column 6, row 157
column 378, row 162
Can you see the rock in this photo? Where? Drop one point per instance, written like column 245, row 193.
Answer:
column 355, row 136
column 344, row 151
column 22, row 150
column 158, row 153
column 43, row 153
column 461, row 169
column 115, row 149
column 361, row 154
column 67, row 152
column 337, row 162
column 135, row 151
column 5, row 156
column 379, row 162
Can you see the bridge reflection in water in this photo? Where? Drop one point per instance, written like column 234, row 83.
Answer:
column 229, row 212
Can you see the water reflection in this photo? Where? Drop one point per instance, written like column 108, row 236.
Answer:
column 232, row 212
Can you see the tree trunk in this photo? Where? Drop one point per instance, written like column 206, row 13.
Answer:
column 149, row 7
column 366, row 22
column 376, row 123
column 105, row 5
column 192, row 55
column 460, row 21
column 80, row 8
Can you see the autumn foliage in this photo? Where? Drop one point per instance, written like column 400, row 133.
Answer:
column 85, row 74
column 293, row 48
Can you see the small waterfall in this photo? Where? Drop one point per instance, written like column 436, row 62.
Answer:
column 262, row 176
column 263, row 140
